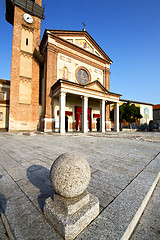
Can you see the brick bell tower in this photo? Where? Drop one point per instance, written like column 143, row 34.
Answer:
column 25, row 16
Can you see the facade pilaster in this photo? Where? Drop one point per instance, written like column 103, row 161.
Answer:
column 85, row 114
column 51, row 77
column 106, row 79
column 50, row 68
column 108, row 122
column 116, row 117
column 102, row 116
column 62, row 103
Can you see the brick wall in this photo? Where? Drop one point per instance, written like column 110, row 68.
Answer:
column 24, row 116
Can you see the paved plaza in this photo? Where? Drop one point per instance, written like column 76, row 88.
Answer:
column 123, row 165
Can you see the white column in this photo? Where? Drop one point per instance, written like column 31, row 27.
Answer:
column 102, row 116
column 62, row 103
column 85, row 114
column 116, row 117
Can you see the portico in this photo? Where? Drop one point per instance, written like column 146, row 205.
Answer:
column 85, row 96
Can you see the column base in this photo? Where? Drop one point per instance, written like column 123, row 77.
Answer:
column 102, row 130
column 48, row 124
column 108, row 126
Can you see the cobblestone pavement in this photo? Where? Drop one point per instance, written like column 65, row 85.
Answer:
column 116, row 159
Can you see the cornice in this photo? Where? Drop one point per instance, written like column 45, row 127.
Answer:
column 24, row 53
column 4, row 101
column 52, row 48
column 5, row 82
column 80, row 90
column 30, row 29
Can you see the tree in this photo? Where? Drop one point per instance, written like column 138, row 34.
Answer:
column 128, row 112
column 135, row 113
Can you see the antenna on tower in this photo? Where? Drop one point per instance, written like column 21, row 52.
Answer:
column 84, row 26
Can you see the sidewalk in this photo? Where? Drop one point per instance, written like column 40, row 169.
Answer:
column 123, row 167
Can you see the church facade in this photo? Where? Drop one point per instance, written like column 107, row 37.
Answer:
column 75, row 80
column 60, row 84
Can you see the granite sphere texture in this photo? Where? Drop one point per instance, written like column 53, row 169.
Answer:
column 70, row 175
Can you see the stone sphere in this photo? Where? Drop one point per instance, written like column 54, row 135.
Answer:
column 70, row 175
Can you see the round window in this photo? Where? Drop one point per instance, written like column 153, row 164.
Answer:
column 82, row 76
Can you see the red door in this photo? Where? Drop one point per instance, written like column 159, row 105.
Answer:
column 78, row 111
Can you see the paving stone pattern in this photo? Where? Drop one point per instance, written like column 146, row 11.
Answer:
column 25, row 161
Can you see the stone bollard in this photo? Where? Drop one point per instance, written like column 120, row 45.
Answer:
column 72, row 207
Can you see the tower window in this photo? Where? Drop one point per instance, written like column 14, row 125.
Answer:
column 26, row 41
column 1, row 116
column 2, row 95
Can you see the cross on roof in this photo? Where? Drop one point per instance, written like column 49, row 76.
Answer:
column 84, row 26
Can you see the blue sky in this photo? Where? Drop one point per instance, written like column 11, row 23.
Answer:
column 127, row 30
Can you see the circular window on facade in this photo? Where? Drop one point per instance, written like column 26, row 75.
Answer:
column 82, row 76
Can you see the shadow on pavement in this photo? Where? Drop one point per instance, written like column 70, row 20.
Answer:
column 39, row 176
column 3, row 201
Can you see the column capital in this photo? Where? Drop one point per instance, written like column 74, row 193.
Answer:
column 85, row 97
column 62, row 94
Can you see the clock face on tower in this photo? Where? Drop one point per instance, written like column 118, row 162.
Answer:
column 28, row 18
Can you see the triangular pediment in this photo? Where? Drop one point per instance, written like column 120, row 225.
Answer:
column 97, row 86
column 83, row 40
column 84, row 43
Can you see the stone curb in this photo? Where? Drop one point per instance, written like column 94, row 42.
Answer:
column 127, row 234
column 7, row 227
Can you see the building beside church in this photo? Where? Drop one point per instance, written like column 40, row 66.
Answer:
column 61, row 84
column 156, row 113
column 146, row 110
column 4, row 103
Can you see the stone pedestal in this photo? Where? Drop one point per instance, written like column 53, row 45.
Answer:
column 70, row 216
column 72, row 208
